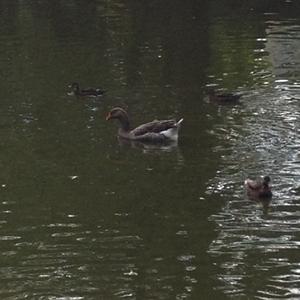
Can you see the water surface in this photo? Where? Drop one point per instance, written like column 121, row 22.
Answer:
column 83, row 216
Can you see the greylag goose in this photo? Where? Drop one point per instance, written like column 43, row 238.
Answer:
column 92, row 92
column 258, row 188
column 157, row 131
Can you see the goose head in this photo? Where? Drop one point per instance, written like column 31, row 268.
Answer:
column 121, row 115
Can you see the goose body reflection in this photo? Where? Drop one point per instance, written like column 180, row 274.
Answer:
column 165, row 146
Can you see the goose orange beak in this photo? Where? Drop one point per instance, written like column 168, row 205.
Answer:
column 108, row 117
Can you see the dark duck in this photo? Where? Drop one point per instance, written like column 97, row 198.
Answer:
column 87, row 92
column 223, row 97
column 258, row 189
column 157, row 131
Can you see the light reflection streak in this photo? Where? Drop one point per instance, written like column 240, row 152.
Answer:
column 252, row 243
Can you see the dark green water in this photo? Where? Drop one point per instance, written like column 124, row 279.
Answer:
column 83, row 216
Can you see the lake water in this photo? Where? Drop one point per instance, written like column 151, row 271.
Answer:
column 84, row 216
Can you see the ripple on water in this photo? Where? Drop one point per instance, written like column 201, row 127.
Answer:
column 257, row 243
column 53, row 264
column 114, row 253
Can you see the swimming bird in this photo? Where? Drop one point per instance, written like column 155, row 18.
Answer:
column 91, row 92
column 157, row 131
column 258, row 188
column 223, row 97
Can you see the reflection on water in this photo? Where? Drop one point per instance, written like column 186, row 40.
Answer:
column 83, row 216
column 167, row 147
column 257, row 241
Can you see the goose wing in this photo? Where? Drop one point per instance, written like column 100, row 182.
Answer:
column 153, row 128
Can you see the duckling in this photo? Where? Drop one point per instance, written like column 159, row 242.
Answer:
column 223, row 97
column 87, row 92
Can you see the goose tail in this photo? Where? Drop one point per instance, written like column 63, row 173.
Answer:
column 172, row 133
column 179, row 122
